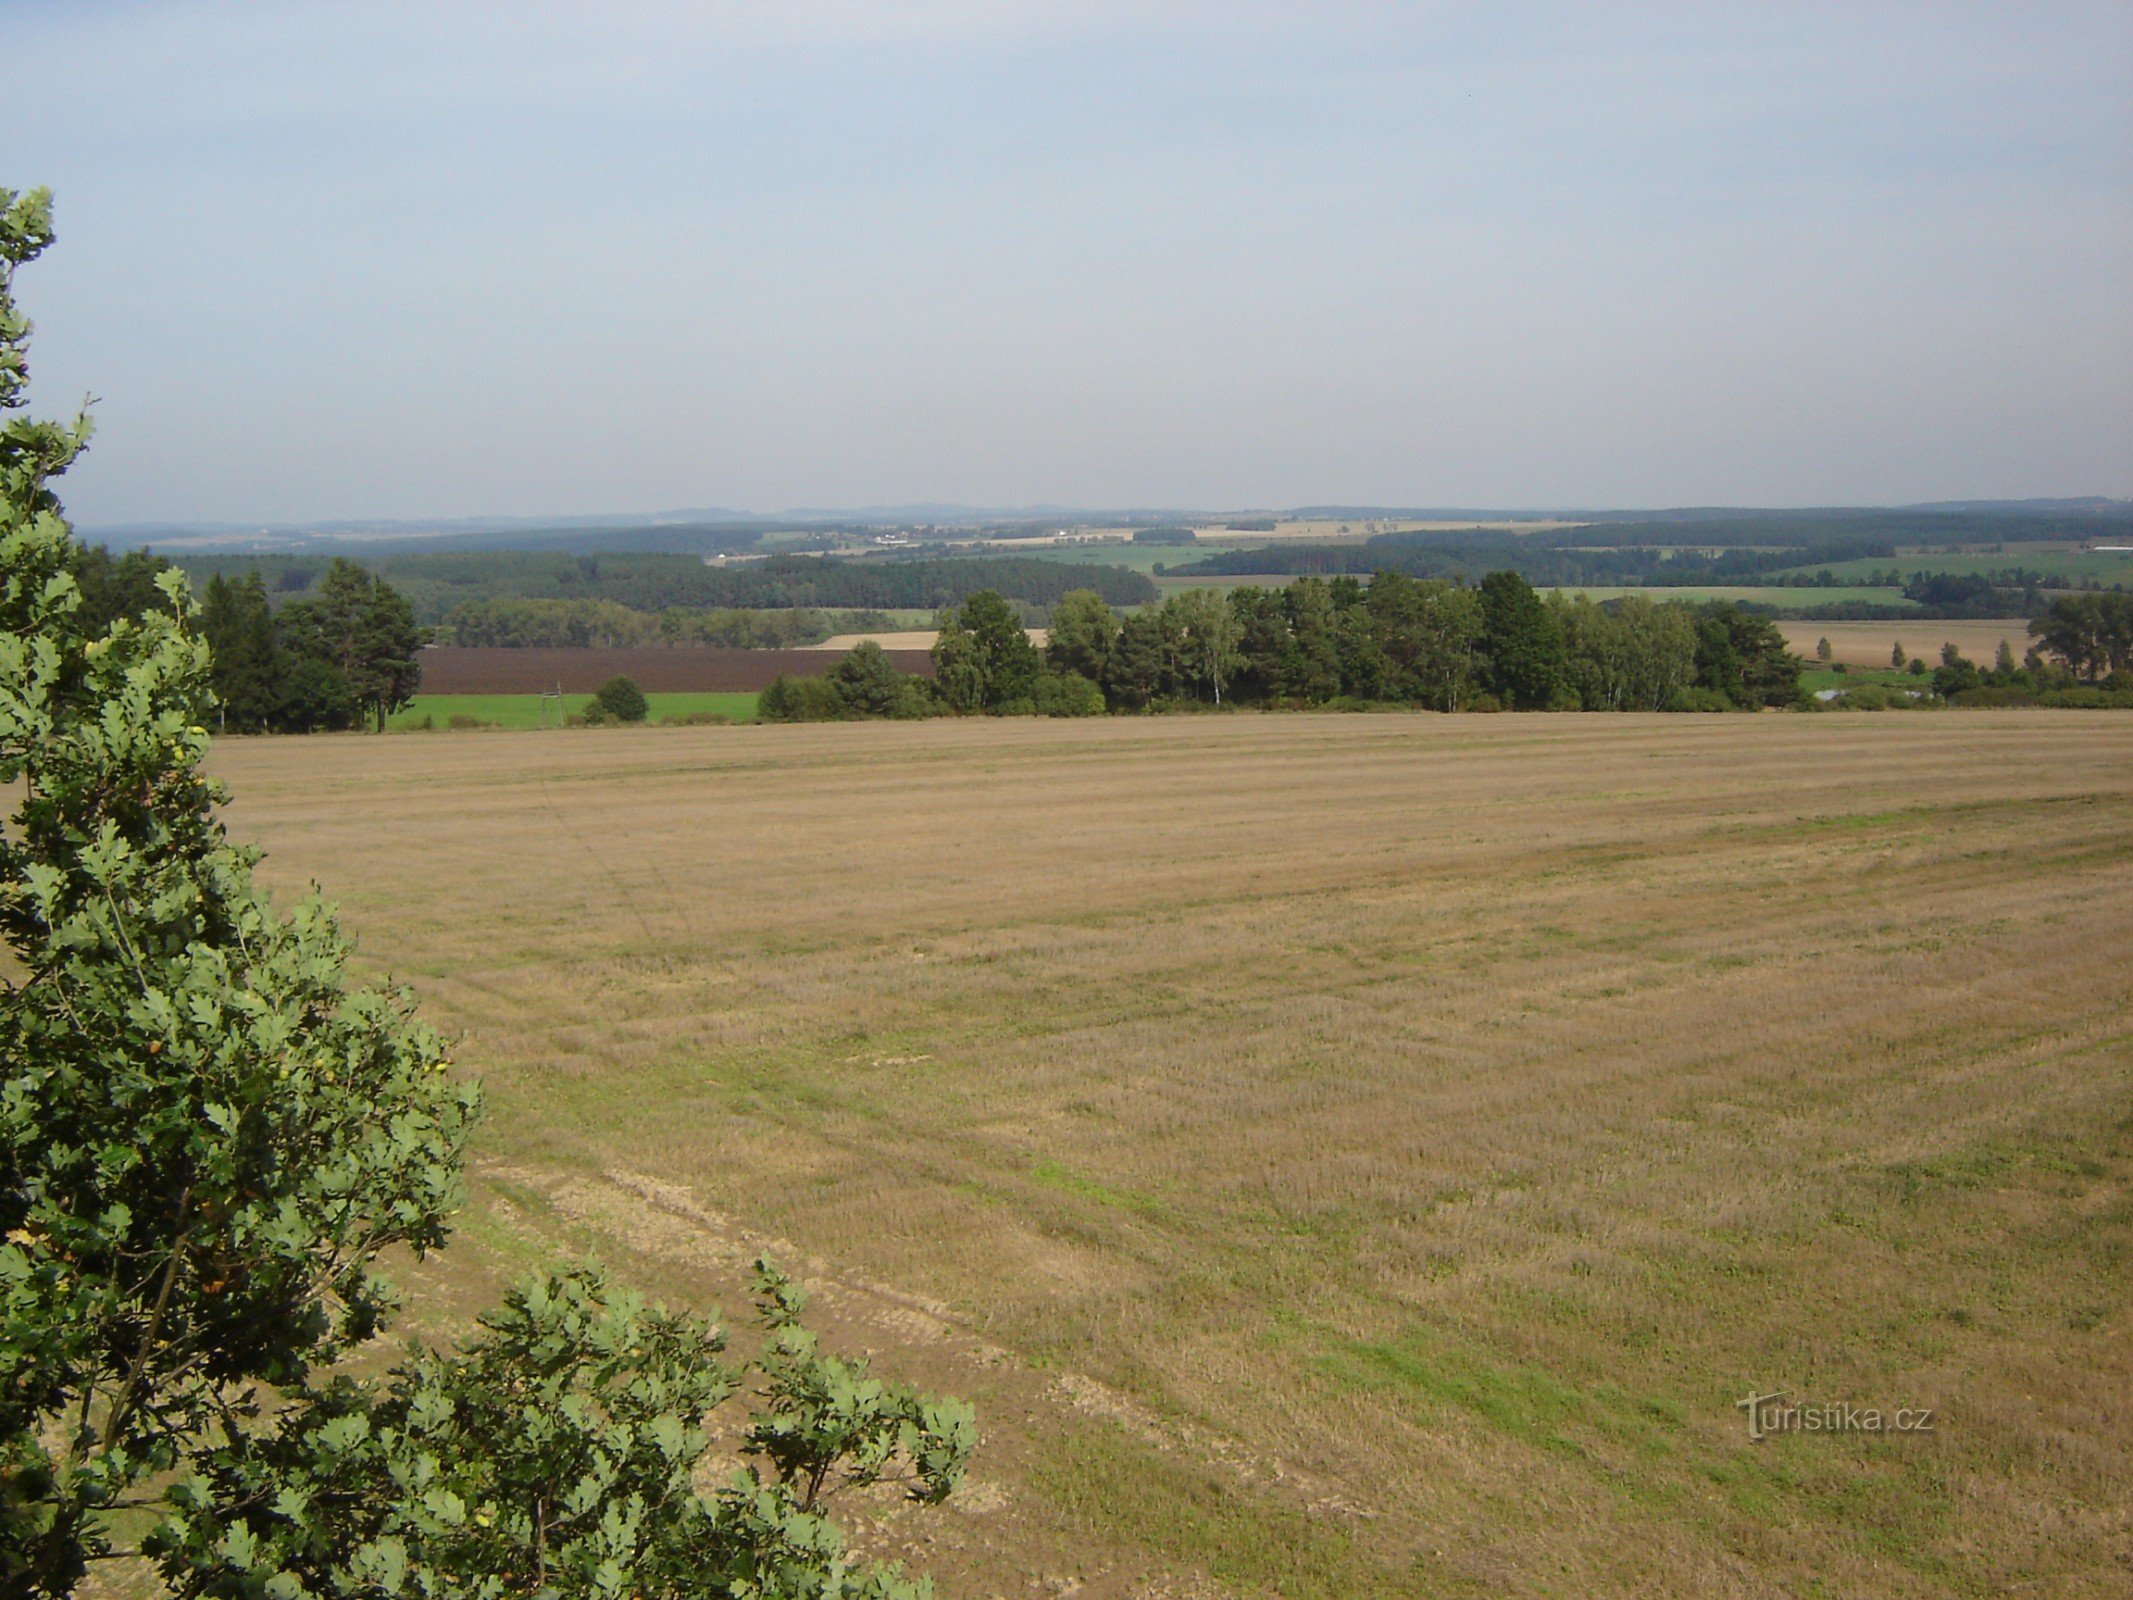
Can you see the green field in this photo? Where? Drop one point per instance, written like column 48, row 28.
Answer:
column 1815, row 678
column 526, row 710
column 1133, row 557
column 2054, row 561
column 1761, row 594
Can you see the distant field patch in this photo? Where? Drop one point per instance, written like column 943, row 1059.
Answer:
column 527, row 710
column 1760, row 594
column 1137, row 557
column 1870, row 644
column 2054, row 562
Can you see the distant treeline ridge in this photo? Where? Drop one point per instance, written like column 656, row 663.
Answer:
column 437, row 583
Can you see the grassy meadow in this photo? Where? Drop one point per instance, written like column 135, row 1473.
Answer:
column 521, row 711
column 1340, row 1156
column 2065, row 563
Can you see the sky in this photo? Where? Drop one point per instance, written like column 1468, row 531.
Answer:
column 339, row 261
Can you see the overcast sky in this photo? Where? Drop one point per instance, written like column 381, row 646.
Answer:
column 329, row 261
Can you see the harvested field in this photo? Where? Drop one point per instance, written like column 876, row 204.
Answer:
column 1868, row 644
column 916, row 639
column 908, row 639
column 469, row 669
column 1340, row 1156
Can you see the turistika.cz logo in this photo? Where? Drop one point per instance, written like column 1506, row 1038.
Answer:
column 1775, row 1413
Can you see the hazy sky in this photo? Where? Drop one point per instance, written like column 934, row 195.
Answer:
column 327, row 261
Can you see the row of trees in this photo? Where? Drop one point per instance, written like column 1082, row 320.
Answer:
column 349, row 655
column 210, row 1144
column 1396, row 639
column 1429, row 642
column 438, row 581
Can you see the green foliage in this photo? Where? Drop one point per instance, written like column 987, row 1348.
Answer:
column 1140, row 668
column 559, row 1454
column 365, row 630
column 1083, row 631
column 620, row 700
column 1743, row 657
column 1523, row 642
column 870, row 686
column 982, row 657
column 205, row 1140
column 318, row 664
column 1955, row 675
column 437, row 583
column 1631, row 656
column 251, row 670
column 519, row 622
column 2090, row 634
column 541, row 711
column 32, row 452
column 1066, row 694
column 116, row 586
column 801, row 700
column 1698, row 698
column 1206, row 635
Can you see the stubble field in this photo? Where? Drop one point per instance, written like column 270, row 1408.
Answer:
column 1338, row 1155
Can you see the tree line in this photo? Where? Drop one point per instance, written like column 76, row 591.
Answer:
column 437, row 582
column 516, row 622
column 1397, row 640
column 1540, row 558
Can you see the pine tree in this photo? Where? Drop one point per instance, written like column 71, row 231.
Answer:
column 366, row 631
column 251, row 670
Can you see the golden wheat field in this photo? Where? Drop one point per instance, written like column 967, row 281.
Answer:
column 1339, row 1156
column 1871, row 644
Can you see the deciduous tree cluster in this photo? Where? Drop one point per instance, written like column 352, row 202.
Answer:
column 1394, row 640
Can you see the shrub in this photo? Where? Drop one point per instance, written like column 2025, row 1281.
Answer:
column 1988, row 697
column 867, row 680
column 621, row 700
column 1699, row 699
column 458, row 719
column 802, row 700
column 1067, row 694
